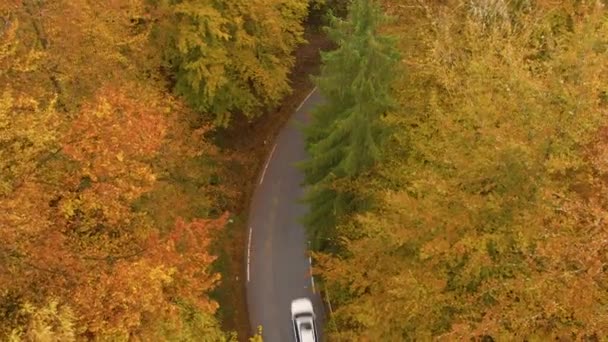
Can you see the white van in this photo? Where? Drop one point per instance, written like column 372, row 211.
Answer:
column 303, row 318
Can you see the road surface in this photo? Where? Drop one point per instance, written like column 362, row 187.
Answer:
column 278, row 265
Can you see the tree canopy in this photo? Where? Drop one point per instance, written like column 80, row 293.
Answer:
column 231, row 56
column 346, row 132
column 489, row 216
column 107, row 204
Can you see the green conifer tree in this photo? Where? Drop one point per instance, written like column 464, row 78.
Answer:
column 346, row 132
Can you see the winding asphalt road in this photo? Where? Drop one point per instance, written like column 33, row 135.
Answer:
column 278, row 266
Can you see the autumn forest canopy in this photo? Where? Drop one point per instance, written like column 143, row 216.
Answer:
column 480, row 211
column 456, row 182
column 109, row 191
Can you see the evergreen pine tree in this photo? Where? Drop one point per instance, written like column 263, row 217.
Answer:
column 344, row 137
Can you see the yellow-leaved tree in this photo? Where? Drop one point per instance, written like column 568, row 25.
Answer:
column 231, row 56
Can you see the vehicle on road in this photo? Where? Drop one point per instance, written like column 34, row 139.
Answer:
column 303, row 318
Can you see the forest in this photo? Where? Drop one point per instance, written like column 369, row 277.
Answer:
column 111, row 190
column 456, row 177
column 463, row 171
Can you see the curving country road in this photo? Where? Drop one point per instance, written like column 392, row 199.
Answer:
column 278, row 266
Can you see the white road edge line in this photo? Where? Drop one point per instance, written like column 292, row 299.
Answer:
column 248, row 254
column 306, row 99
column 267, row 162
column 312, row 278
column 275, row 145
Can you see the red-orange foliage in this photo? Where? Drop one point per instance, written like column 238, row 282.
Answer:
column 84, row 243
column 186, row 251
column 114, row 136
column 86, row 129
column 124, row 295
column 111, row 141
